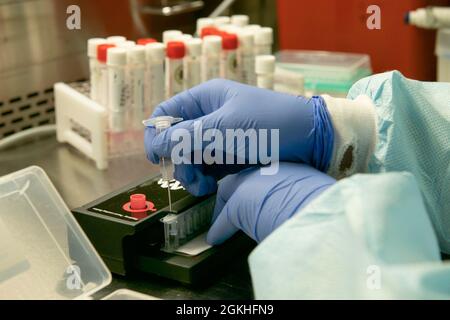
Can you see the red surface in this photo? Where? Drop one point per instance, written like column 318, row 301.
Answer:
column 175, row 50
column 102, row 50
column 337, row 25
column 144, row 41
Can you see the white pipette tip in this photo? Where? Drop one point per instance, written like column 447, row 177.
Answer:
column 153, row 122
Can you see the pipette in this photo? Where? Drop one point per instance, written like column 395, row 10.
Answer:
column 166, row 166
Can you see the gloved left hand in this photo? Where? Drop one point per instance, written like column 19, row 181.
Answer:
column 257, row 204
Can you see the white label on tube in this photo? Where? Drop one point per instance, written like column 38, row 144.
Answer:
column 102, row 93
column 157, row 84
column 192, row 71
column 116, row 100
column 229, row 65
column 174, row 77
column 248, row 69
column 210, row 67
column 137, row 95
column 95, row 78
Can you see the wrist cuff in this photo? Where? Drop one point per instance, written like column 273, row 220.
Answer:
column 354, row 125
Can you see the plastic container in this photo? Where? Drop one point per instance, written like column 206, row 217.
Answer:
column 443, row 55
column 265, row 69
column 211, row 50
column 175, row 53
column 44, row 253
column 192, row 63
column 326, row 72
column 229, row 64
column 155, row 55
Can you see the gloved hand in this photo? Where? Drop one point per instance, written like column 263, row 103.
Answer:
column 258, row 204
column 305, row 129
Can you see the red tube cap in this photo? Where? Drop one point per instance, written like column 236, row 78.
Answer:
column 102, row 50
column 209, row 31
column 176, row 50
column 144, row 41
column 138, row 201
column 229, row 41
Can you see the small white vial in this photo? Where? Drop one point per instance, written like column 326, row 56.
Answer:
column 229, row 64
column 265, row 69
column 212, row 47
column 240, row 20
column 102, row 92
column 126, row 44
column 117, row 61
column 170, row 35
column 136, row 80
column 222, row 20
column 203, row 22
column 175, row 54
column 252, row 27
column 263, row 41
column 192, row 63
column 116, row 39
column 155, row 55
column 92, row 45
column 246, row 57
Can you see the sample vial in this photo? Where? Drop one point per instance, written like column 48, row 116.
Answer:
column 94, row 69
column 246, row 57
column 155, row 55
column 116, row 39
column 126, row 44
column 117, row 60
column 203, row 22
column 161, row 124
column 265, row 68
column 170, row 232
column 170, row 35
column 192, row 63
column 222, row 20
column 263, row 41
column 145, row 41
column 102, row 92
column 136, row 80
column 240, row 20
column 209, row 31
column 212, row 46
column 229, row 64
column 174, row 68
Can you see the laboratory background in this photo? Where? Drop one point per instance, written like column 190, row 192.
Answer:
column 84, row 214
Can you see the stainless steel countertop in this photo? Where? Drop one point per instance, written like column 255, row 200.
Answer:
column 79, row 182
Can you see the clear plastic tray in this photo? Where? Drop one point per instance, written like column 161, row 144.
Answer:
column 44, row 254
column 125, row 294
column 326, row 71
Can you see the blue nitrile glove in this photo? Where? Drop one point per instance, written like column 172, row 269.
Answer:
column 305, row 129
column 257, row 204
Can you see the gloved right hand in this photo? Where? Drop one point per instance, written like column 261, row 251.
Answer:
column 258, row 204
column 305, row 129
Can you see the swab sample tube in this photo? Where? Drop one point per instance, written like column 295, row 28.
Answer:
column 116, row 39
column 192, row 63
column 117, row 60
column 229, row 64
column 240, row 20
column 126, row 44
column 246, row 57
column 203, row 22
column 263, row 41
column 212, row 46
column 94, row 65
column 166, row 166
column 175, row 53
column 136, row 80
column 170, row 35
column 102, row 92
column 155, row 55
column 170, row 232
column 265, row 69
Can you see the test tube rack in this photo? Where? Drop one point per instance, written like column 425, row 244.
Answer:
column 136, row 241
column 83, row 123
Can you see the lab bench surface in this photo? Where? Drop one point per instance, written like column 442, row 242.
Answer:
column 79, row 182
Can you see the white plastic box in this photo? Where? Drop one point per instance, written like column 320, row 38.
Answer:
column 443, row 55
column 44, row 253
